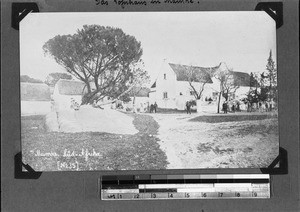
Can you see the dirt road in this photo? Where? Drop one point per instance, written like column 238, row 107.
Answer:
column 239, row 144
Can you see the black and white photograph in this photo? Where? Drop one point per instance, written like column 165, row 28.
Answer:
column 148, row 90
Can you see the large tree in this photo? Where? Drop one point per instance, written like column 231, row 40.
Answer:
column 105, row 58
column 271, row 78
column 228, row 83
column 263, row 86
column 197, row 80
column 255, row 92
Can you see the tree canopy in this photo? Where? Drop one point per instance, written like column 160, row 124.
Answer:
column 105, row 58
column 263, row 86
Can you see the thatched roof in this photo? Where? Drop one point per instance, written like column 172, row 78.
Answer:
column 181, row 71
column 241, row 78
column 182, row 74
column 70, row 87
column 34, row 92
column 139, row 92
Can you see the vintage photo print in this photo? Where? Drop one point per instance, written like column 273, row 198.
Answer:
column 148, row 90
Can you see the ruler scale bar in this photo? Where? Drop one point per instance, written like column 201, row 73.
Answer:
column 151, row 187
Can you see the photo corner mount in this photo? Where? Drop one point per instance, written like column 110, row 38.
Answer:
column 274, row 10
column 20, row 10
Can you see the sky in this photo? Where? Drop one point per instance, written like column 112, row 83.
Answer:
column 241, row 39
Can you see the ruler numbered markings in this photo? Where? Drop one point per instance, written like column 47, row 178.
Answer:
column 151, row 187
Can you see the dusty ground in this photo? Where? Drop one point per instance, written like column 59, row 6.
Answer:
column 218, row 141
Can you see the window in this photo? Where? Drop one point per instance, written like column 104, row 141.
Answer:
column 165, row 95
column 165, row 76
column 215, row 94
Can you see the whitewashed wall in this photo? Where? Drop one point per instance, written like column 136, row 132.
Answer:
column 165, row 85
column 35, row 107
column 174, row 88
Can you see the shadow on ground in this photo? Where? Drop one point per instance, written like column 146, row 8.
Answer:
column 231, row 118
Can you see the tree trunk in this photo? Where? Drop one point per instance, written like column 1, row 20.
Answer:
column 89, row 97
column 219, row 102
column 88, row 86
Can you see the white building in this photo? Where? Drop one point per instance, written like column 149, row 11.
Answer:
column 172, row 89
column 65, row 91
column 35, row 98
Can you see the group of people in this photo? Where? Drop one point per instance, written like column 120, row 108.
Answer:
column 236, row 107
column 233, row 107
column 261, row 106
column 153, row 108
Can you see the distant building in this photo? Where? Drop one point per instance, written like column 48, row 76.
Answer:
column 171, row 88
column 35, row 98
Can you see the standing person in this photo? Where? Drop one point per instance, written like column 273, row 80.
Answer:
column 188, row 107
column 151, row 108
column 155, row 107
column 148, row 107
column 233, row 107
column 266, row 105
column 260, row 107
column 238, row 106
column 225, row 107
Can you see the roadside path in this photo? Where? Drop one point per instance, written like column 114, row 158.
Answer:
column 179, row 139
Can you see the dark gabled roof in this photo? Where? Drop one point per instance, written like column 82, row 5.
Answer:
column 139, row 92
column 200, row 74
column 34, row 92
column 70, row 87
column 241, row 78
